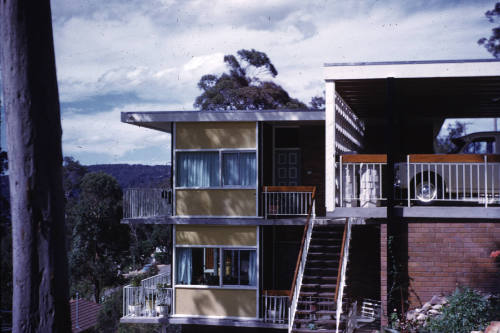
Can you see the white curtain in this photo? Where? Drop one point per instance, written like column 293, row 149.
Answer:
column 184, row 265
column 252, row 268
column 239, row 169
column 198, row 169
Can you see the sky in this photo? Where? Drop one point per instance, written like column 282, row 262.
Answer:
column 137, row 55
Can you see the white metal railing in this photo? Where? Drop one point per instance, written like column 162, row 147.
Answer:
column 147, row 202
column 148, row 300
column 343, row 270
column 361, row 183
column 275, row 308
column 423, row 178
column 153, row 281
column 466, row 181
column 300, row 274
column 288, row 201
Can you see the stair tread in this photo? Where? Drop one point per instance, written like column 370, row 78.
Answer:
column 316, row 321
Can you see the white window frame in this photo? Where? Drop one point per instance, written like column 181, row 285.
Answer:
column 221, row 185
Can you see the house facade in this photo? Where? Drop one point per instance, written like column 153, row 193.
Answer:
column 281, row 219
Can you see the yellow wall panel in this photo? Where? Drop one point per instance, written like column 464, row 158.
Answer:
column 221, row 202
column 215, row 302
column 216, row 235
column 215, row 135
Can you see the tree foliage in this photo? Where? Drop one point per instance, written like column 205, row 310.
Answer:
column 247, row 86
column 99, row 242
column 444, row 144
column 492, row 44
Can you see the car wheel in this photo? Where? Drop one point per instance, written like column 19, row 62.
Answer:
column 426, row 191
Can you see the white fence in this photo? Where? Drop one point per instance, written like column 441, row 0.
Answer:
column 469, row 181
column 147, row 202
column 288, row 200
column 275, row 308
column 422, row 179
column 151, row 301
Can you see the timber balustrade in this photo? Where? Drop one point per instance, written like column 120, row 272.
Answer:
column 288, row 200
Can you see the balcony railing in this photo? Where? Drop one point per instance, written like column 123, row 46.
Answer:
column 360, row 179
column 147, row 202
column 147, row 302
column 452, row 178
column 288, row 200
column 275, row 305
column 423, row 179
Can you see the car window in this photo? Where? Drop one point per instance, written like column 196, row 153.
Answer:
column 480, row 146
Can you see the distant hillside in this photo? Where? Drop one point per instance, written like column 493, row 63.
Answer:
column 135, row 175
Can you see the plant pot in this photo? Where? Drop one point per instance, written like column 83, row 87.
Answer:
column 162, row 310
column 135, row 310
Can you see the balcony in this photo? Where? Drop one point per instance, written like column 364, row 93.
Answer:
column 152, row 302
column 288, row 201
column 149, row 302
column 425, row 185
column 147, row 203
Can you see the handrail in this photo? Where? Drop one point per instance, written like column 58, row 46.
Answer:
column 341, row 259
column 364, row 158
column 304, row 248
column 306, row 226
column 339, row 291
column 289, row 188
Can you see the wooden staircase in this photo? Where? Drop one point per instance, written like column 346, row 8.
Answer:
column 316, row 305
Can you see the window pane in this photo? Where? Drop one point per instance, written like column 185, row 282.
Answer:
column 230, row 169
column 239, row 267
column 239, row 169
column 197, row 266
column 248, row 169
column 197, row 169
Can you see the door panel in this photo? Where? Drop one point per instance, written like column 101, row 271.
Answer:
column 287, row 167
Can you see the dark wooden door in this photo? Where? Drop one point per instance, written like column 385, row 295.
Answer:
column 287, row 167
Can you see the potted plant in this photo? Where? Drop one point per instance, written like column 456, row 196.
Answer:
column 163, row 300
column 135, row 309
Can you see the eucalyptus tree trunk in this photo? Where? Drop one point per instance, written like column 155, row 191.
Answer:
column 40, row 295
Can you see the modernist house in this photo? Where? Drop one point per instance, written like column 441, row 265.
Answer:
column 281, row 218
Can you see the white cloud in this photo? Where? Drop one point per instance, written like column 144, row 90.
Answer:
column 158, row 50
column 103, row 133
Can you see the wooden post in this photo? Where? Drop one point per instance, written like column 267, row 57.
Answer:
column 40, row 295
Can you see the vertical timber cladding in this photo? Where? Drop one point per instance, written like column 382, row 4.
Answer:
column 218, row 302
column 213, row 136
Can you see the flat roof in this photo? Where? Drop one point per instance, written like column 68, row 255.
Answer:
column 412, row 69
column 161, row 120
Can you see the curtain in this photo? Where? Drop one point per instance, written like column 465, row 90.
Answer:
column 248, row 169
column 231, row 168
column 184, row 265
column 239, row 169
column 198, row 169
column 252, row 269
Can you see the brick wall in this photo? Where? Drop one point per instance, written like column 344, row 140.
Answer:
column 442, row 256
column 383, row 272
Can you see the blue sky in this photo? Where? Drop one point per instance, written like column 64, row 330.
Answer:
column 137, row 55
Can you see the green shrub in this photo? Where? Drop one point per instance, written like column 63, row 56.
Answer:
column 465, row 311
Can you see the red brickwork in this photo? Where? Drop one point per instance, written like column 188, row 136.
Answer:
column 383, row 271
column 443, row 256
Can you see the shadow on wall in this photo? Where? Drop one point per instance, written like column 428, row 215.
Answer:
column 216, row 202
column 216, row 302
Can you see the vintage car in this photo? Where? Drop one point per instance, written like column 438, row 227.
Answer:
column 471, row 173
